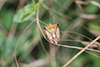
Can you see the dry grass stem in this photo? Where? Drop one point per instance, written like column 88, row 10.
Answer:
column 95, row 3
column 81, row 2
column 80, row 48
column 93, row 54
column 66, row 64
column 85, row 43
column 86, row 16
column 98, row 44
column 19, row 40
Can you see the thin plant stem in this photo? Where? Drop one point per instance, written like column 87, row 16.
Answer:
column 39, row 23
column 93, row 54
column 80, row 35
column 19, row 40
column 80, row 48
column 66, row 64
column 41, row 32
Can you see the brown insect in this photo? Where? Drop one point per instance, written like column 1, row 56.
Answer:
column 52, row 33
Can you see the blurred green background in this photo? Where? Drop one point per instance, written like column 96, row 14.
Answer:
column 78, row 16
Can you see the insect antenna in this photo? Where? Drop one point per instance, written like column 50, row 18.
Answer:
column 52, row 17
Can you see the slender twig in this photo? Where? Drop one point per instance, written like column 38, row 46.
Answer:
column 77, row 34
column 93, row 54
column 19, row 40
column 80, row 35
column 66, row 64
column 43, row 46
column 80, row 48
column 53, row 55
column 39, row 23
column 82, row 42
column 41, row 32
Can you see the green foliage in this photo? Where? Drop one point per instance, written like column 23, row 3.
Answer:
column 6, row 17
column 2, row 37
column 26, row 12
column 94, row 26
column 95, row 61
column 92, row 8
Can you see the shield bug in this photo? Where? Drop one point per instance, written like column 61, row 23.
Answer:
column 52, row 33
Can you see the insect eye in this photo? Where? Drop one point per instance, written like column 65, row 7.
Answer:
column 57, row 24
column 44, row 28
